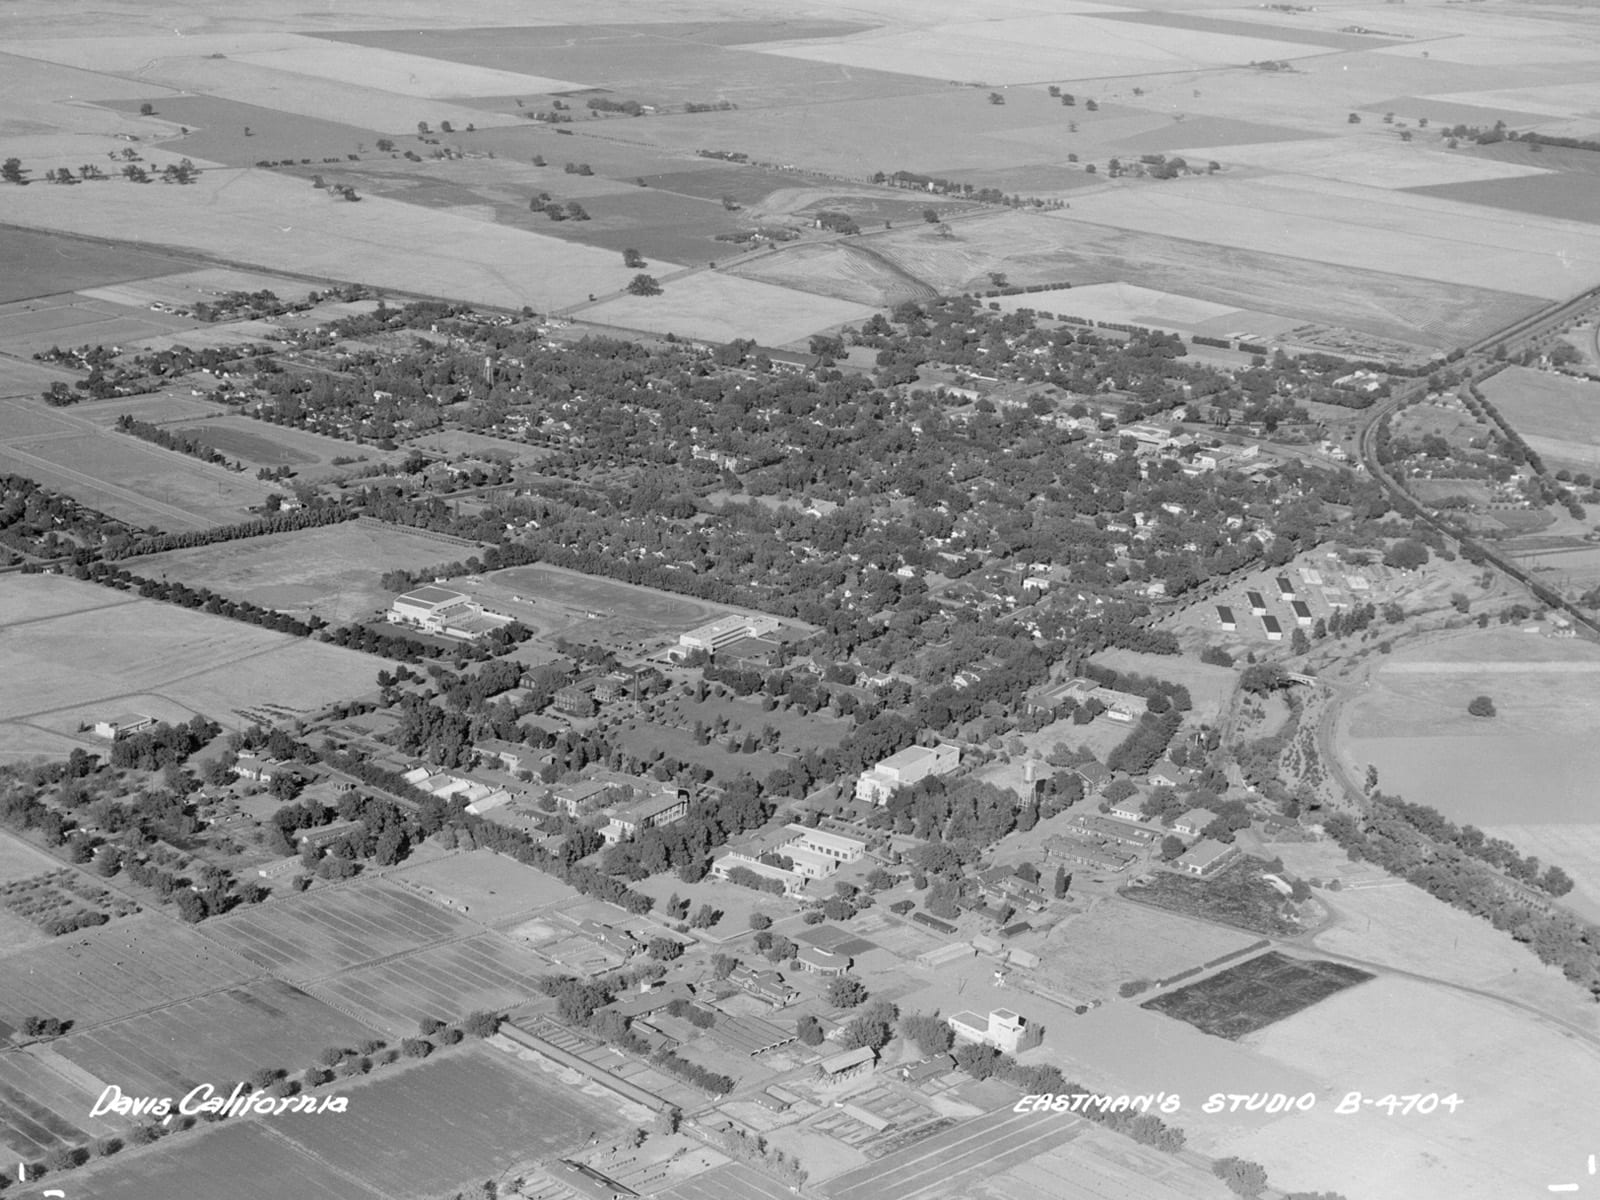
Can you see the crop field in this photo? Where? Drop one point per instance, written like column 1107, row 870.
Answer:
column 103, row 974
column 216, row 131
column 73, row 319
column 446, row 982
column 48, row 264
column 157, row 658
column 120, row 474
column 216, row 1037
column 1034, row 250
column 1012, row 50
column 239, row 216
column 19, row 861
column 41, row 1108
column 719, row 308
column 1563, row 195
column 244, row 1160
column 1529, row 764
column 845, row 271
column 1558, row 416
column 667, row 63
column 1236, row 895
column 1090, row 956
column 733, row 1181
column 468, row 1114
column 1099, row 1165
column 1125, row 303
column 58, row 900
column 490, row 886
column 947, row 1163
column 1256, row 993
column 660, row 225
column 323, row 933
column 241, row 438
column 331, row 572
column 1400, row 1037
column 1389, row 165
column 1424, row 237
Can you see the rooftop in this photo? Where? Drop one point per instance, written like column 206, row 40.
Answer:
column 430, row 596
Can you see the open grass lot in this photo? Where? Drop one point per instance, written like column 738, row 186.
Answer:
column 492, row 887
column 1122, row 1047
column 446, row 982
column 1089, row 956
column 1558, row 415
column 217, row 1037
column 152, row 657
column 1209, row 686
column 455, row 442
column 798, row 731
column 1236, row 895
column 1380, row 921
column 46, row 264
column 331, row 572
column 644, row 738
column 1399, row 1037
column 1256, row 993
column 592, row 593
column 324, row 932
column 948, row 1163
column 1575, row 848
column 1530, row 764
column 98, row 975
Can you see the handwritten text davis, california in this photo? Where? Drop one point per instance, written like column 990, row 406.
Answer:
column 206, row 1101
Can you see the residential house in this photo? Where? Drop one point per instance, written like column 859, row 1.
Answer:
column 1191, row 823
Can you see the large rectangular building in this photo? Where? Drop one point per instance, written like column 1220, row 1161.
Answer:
column 439, row 610
column 723, row 632
column 906, row 768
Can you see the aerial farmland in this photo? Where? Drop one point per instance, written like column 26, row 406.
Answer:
column 876, row 600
